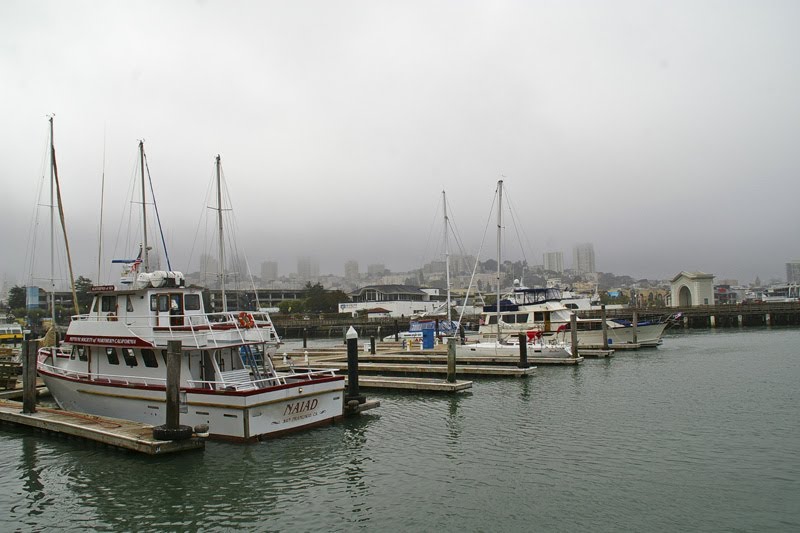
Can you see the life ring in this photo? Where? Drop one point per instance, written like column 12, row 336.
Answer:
column 246, row 320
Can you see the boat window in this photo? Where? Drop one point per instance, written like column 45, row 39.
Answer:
column 191, row 302
column 153, row 302
column 108, row 304
column 493, row 319
column 522, row 319
column 509, row 319
column 130, row 358
column 82, row 353
column 163, row 303
column 113, row 358
column 538, row 316
column 128, row 304
column 149, row 358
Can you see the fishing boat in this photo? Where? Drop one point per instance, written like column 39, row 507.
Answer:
column 113, row 360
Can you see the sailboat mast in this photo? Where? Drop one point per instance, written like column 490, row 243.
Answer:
column 499, row 248
column 446, row 254
column 52, row 227
column 221, row 237
column 145, row 260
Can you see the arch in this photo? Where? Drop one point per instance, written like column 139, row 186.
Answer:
column 685, row 296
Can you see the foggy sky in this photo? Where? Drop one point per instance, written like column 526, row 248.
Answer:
column 665, row 133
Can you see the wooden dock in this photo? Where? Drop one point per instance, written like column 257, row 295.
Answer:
column 434, row 358
column 411, row 383
column 407, row 368
column 114, row 432
column 596, row 352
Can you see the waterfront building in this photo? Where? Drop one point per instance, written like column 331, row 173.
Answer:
column 583, row 258
column 692, row 288
column 554, row 262
column 398, row 300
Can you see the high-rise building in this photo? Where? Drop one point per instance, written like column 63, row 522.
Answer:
column 793, row 271
column 307, row 269
column 351, row 270
column 554, row 261
column 377, row 269
column 583, row 258
column 269, row 271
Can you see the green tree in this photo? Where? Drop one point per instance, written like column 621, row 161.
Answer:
column 82, row 287
column 16, row 297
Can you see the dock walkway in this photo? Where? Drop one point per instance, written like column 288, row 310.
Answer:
column 115, row 432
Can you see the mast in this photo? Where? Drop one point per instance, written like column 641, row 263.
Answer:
column 221, row 242
column 446, row 254
column 145, row 261
column 499, row 257
column 52, row 227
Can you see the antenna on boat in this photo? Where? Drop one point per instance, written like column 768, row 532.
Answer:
column 221, row 242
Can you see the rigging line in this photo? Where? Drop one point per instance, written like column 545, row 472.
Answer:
column 128, row 201
column 33, row 226
column 201, row 219
column 518, row 227
column 158, row 217
column 478, row 258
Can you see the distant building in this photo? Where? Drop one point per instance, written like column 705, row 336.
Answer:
column 269, row 271
column 397, row 300
column 689, row 289
column 351, row 270
column 377, row 269
column 583, row 258
column 793, row 271
column 307, row 269
column 554, row 261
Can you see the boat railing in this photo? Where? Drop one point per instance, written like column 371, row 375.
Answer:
column 103, row 378
column 241, row 380
column 200, row 329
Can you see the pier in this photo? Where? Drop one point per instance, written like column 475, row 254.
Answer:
column 114, row 432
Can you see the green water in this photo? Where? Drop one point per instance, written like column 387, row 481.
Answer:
column 700, row 434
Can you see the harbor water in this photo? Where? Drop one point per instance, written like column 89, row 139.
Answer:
column 699, row 434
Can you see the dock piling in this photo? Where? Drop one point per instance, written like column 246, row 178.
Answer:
column 605, row 326
column 635, row 325
column 172, row 429
column 305, row 337
column 451, row 360
column 573, row 330
column 28, row 376
column 352, row 372
column 523, row 351
column 372, row 345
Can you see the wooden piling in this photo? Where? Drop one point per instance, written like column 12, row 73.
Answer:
column 29, row 376
column 451, row 360
column 352, row 370
column 605, row 326
column 305, row 337
column 635, row 326
column 573, row 330
column 173, row 384
column 523, row 351
column 372, row 345
column 396, row 331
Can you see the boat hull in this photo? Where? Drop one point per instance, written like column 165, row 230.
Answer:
column 232, row 415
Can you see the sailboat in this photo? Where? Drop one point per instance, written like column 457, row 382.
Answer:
column 498, row 343
column 113, row 362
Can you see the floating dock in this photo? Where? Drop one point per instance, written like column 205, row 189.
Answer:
column 433, row 358
column 411, row 383
column 406, row 368
column 114, row 432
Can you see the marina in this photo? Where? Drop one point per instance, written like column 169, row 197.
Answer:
column 696, row 434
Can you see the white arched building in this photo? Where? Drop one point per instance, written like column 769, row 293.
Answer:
column 692, row 288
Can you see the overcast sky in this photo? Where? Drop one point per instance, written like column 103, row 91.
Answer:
column 665, row 133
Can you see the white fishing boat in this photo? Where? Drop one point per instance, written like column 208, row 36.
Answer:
column 113, row 361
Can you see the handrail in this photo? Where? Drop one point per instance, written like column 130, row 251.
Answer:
column 110, row 378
